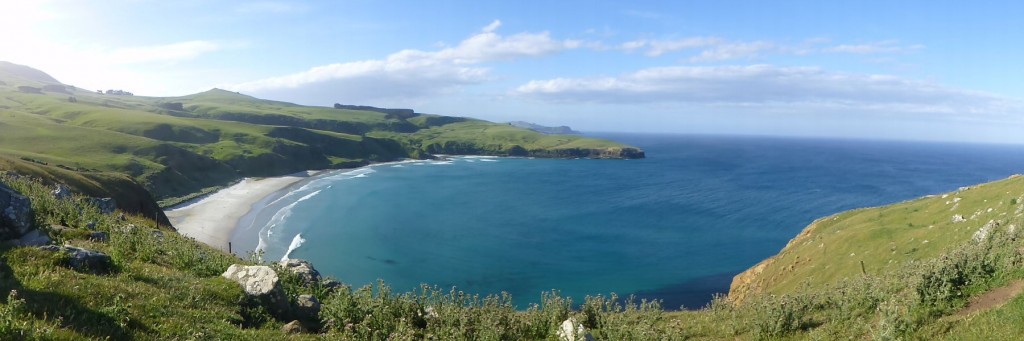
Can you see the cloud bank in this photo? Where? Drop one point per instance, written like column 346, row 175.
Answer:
column 764, row 85
column 414, row 73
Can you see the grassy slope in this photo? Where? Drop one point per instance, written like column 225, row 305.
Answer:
column 163, row 286
column 178, row 146
column 883, row 238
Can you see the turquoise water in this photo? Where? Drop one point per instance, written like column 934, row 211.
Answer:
column 675, row 226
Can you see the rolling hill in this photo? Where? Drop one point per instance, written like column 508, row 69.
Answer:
column 178, row 147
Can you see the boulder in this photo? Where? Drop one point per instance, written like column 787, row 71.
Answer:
column 105, row 205
column 99, row 236
column 62, row 192
column 33, row 238
column 83, row 260
column 304, row 269
column 15, row 213
column 571, row 330
column 261, row 283
column 958, row 218
column 308, row 308
column 293, row 327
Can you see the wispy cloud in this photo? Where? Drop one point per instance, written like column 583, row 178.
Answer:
column 887, row 46
column 415, row 73
column 771, row 85
column 722, row 52
column 715, row 49
column 658, row 47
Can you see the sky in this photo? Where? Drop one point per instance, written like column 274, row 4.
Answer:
column 905, row 70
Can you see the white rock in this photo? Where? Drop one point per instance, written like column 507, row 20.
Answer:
column 572, row 330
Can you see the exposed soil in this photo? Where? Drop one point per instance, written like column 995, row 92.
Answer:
column 992, row 299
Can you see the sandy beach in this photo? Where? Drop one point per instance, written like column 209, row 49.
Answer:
column 213, row 219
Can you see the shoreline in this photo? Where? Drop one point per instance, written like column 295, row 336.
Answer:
column 213, row 219
column 223, row 219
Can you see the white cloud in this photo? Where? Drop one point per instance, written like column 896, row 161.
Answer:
column 765, row 85
column 492, row 26
column 412, row 73
column 887, row 46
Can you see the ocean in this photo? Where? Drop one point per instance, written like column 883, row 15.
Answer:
column 675, row 226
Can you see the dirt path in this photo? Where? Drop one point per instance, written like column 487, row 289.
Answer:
column 992, row 299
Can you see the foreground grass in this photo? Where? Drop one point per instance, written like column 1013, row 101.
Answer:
column 165, row 286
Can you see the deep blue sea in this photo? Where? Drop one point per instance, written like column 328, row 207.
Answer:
column 675, row 226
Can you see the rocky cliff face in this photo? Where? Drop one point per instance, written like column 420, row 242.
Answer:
column 468, row 148
column 597, row 153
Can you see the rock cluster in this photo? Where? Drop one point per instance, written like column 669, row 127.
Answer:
column 262, row 284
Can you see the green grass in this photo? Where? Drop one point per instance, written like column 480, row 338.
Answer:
column 178, row 146
column 883, row 238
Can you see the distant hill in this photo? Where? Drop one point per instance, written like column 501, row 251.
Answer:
column 177, row 147
column 543, row 129
column 11, row 73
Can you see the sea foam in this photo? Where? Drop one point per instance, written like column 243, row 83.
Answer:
column 296, row 243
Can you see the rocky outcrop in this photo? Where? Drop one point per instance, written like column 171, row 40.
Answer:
column 985, row 231
column 470, row 148
column 572, row 330
column 262, row 284
column 590, row 153
column 303, row 269
column 83, row 260
column 15, row 213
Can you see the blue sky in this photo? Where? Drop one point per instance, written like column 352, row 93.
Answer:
column 919, row 70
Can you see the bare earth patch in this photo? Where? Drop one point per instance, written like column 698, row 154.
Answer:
column 992, row 299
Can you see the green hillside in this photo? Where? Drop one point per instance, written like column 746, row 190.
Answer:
column 178, row 147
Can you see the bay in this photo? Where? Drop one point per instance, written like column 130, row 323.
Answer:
column 675, row 226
